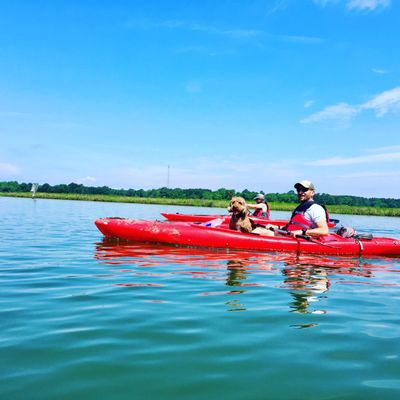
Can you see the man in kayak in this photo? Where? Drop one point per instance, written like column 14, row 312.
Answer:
column 261, row 208
column 308, row 218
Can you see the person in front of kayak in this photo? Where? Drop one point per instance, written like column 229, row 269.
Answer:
column 261, row 208
column 308, row 218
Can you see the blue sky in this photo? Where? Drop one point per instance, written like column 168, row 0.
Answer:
column 230, row 93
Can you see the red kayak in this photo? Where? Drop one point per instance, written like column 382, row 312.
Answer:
column 198, row 235
column 226, row 218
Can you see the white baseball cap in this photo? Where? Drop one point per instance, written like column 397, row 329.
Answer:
column 305, row 184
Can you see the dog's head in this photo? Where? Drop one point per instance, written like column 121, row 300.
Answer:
column 237, row 205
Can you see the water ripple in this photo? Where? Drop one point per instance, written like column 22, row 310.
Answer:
column 84, row 317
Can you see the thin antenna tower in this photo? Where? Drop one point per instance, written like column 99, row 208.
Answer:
column 168, row 177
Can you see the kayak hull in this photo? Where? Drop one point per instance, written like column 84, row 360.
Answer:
column 197, row 235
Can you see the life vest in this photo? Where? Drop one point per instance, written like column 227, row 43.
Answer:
column 259, row 213
column 298, row 220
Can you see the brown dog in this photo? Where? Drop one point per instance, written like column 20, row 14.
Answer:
column 240, row 220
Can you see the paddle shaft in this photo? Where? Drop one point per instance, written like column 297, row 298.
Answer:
column 305, row 237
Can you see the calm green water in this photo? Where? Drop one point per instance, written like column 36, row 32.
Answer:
column 85, row 318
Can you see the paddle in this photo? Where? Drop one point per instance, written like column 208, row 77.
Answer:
column 310, row 239
column 366, row 236
column 305, row 237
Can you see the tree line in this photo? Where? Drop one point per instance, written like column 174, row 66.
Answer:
column 206, row 194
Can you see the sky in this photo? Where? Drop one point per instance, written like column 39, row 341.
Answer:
column 236, row 94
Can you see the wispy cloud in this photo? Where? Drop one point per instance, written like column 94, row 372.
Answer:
column 233, row 33
column 196, row 27
column 384, row 102
column 277, row 6
column 297, row 39
column 381, row 104
column 340, row 112
column 380, row 71
column 13, row 114
column 324, row 3
column 9, row 169
column 371, row 174
column 86, row 179
column 234, row 172
column 369, row 5
column 357, row 5
column 308, row 103
column 380, row 157
column 387, row 149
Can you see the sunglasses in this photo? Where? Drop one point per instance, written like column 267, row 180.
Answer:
column 302, row 190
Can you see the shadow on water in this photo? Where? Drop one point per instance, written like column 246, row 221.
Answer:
column 308, row 278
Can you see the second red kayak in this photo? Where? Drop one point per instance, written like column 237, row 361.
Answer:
column 226, row 218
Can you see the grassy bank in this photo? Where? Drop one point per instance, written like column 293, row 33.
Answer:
column 389, row 212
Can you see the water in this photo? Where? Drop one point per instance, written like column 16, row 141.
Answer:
column 86, row 318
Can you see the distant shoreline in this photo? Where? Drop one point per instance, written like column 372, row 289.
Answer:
column 333, row 209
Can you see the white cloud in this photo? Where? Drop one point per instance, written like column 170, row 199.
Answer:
column 341, row 112
column 380, row 71
column 297, row 39
column 323, row 3
column 388, row 101
column 86, row 179
column 367, row 4
column 387, row 149
column 233, row 33
column 9, row 169
column 384, row 102
column 366, row 159
column 372, row 174
column 278, row 6
column 308, row 103
column 237, row 172
column 13, row 114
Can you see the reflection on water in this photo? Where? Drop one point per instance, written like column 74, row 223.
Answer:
column 231, row 268
column 306, row 286
column 236, row 275
column 307, row 278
